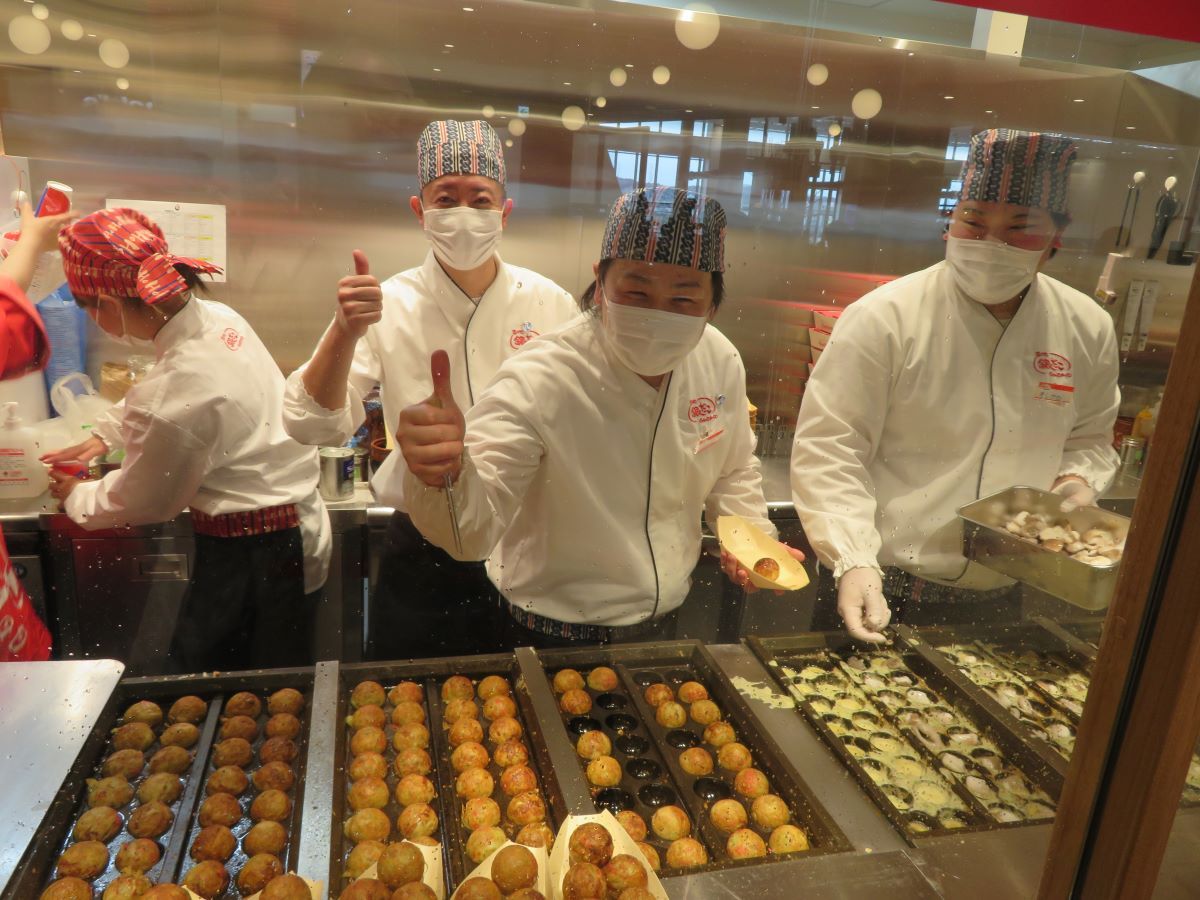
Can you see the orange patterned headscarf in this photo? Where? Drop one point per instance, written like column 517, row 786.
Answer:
column 121, row 252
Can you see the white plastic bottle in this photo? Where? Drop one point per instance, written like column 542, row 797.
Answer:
column 21, row 473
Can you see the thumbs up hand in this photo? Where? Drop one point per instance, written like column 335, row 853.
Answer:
column 360, row 299
column 431, row 432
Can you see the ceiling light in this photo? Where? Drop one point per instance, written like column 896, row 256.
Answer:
column 948, row 97
column 468, row 9
column 566, row 84
column 448, row 46
column 629, row 65
column 1129, row 127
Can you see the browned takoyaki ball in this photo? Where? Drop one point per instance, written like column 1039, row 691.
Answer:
column 227, row 780
column 67, row 889
column 127, row 887
column 271, row 805
column 584, row 881
column 166, row 892
column 575, row 703
column 465, row 730
column 658, row 694
column 257, row 873
column 455, row 710
column 283, row 725
column 504, row 729
column 287, row 887
column 369, row 716
column 366, row 889
column 417, row 821
column 401, row 863
column 265, row 837
column 86, row 860
column 134, row 736
column 483, row 842
column 128, row 763
column 163, row 787
column 406, row 690
column 567, row 680
column 368, row 740
column 526, row 808
column 364, row 855
column 417, row 890
column 213, row 842
column 633, row 823
column 371, row 825
column 511, row 753
column 514, row 868
column 239, row 726
column 367, row 765
column 150, row 820
column 480, row 812
column 233, row 752
column 243, row 703
column 518, row 779
column 414, row 789
column 478, row 889
column 457, row 687
column 537, row 834
column 623, row 873
column 181, row 734
column 493, row 686
column 278, row 775
column 602, row 678
column 114, row 791
column 470, row 755
column 187, row 709
column 220, row 809
column 590, row 843
column 412, row 761
column 100, row 823
column 208, row 879
column 144, row 711
column 474, row 783
column 175, row 760
column 278, row 749
column 409, row 713
column 498, row 707
column 138, row 856
column 368, row 793
column 414, row 735
column 368, row 692
column 285, row 700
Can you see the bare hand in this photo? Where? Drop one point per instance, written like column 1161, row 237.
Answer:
column 42, row 233
column 431, row 432
column 740, row 576
column 61, row 486
column 83, row 452
column 360, row 299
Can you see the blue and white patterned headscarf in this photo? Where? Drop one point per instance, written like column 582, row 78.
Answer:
column 1025, row 168
column 666, row 226
column 447, row 147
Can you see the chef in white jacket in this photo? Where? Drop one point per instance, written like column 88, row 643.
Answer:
column 951, row 384
column 203, row 429
column 463, row 299
column 589, row 461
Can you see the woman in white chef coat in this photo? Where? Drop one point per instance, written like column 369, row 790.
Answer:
column 463, row 299
column 202, row 430
column 583, row 471
column 951, row 384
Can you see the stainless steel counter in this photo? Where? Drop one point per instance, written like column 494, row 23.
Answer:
column 48, row 709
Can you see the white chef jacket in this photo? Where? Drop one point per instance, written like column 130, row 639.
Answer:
column 584, row 487
column 423, row 311
column 922, row 402
column 204, row 430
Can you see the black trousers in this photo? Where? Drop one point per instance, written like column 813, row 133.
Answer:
column 966, row 608
column 245, row 607
column 517, row 635
column 428, row 604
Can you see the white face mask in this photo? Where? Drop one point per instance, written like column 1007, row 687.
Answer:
column 988, row 271
column 650, row 341
column 125, row 338
column 463, row 238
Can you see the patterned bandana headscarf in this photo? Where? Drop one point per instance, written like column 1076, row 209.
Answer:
column 666, row 226
column 459, row 148
column 1024, row 168
column 122, row 253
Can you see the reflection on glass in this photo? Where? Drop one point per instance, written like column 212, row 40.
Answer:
column 697, row 26
column 29, row 35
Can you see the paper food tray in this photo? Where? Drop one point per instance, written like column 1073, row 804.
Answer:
column 484, row 869
column 749, row 544
column 622, row 844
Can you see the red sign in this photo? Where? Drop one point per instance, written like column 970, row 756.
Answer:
column 1174, row 19
column 702, row 409
column 232, row 339
column 1053, row 365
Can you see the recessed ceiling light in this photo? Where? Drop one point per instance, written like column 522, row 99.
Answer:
column 629, row 65
column 692, row 110
column 948, row 97
column 468, row 9
column 1129, row 127
column 988, row 111
column 566, row 84
column 911, row 53
column 448, row 46
column 436, row 69
column 816, row 107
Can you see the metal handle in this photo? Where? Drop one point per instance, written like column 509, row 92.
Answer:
column 162, row 567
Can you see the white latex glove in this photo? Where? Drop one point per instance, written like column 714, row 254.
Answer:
column 1075, row 493
column 862, row 606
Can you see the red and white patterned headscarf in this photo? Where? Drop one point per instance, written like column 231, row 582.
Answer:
column 122, row 253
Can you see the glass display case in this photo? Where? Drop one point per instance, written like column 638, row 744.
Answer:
column 993, row 756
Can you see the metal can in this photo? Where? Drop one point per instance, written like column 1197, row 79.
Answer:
column 1132, row 452
column 362, row 465
column 336, row 481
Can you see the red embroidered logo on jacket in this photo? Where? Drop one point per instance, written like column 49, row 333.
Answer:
column 232, row 339
column 702, row 409
column 1052, row 365
column 521, row 336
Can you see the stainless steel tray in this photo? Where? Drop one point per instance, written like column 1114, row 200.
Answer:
column 986, row 541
